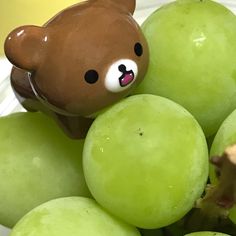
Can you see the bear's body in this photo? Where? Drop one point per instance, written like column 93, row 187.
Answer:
column 86, row 58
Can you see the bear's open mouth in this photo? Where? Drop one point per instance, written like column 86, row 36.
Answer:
column 126, row 78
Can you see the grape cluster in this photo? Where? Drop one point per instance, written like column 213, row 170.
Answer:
column 161, row 162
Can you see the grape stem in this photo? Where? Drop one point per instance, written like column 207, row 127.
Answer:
column 211, row 211
column 224, row 193
column 222, row 196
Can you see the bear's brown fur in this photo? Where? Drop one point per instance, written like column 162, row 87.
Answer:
column 84, row 59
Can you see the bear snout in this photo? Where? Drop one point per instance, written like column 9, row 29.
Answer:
column 121, row 75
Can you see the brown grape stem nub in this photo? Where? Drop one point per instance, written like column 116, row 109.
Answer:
column 221, row 197
column 224, row 193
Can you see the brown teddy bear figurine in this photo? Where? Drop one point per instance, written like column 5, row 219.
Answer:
column 84, row 59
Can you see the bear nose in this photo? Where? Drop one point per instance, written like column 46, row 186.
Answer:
column 122, row 68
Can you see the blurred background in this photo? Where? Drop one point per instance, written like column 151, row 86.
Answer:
column 14, row 13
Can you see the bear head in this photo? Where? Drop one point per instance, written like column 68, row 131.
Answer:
column 84, row 59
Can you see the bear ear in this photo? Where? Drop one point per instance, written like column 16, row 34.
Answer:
column 126, row 5
column 24, row 46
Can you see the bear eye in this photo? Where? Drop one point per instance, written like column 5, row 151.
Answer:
column 91, row 76
column 138, row 49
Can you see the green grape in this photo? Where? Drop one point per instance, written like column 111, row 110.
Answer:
column 226, row 136
column 192, row 59
column 72, row 216
column 37, row 163
column 146, row 160
column 206, row 233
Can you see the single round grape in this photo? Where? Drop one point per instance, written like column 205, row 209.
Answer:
column 146, row 160
column 37, row 163
column 226, row 136
column 75, row 216
column 192, row 59
column 206, row 233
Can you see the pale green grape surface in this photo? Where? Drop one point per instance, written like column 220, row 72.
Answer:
column 146, row 160
column 72, row 216
column 226, row 135
column 37, row 163
column 192, row 59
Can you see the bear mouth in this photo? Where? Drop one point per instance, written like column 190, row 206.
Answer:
column 126, row 78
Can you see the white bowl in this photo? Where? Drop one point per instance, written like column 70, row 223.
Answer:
column 8, row 102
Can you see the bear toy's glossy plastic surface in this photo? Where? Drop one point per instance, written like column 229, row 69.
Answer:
column 84, row 59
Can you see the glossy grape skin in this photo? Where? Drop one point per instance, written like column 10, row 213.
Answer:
column 146, row 161
column 37, row 163
column 206, row 233
column 226, row 136
column 72, row 216
column 192, row 59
